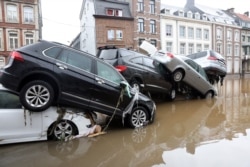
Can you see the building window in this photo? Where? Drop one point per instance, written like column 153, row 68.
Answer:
column 152, row 6
column 182, row 48
column 236, row 50
column 140, row 41
column 141, row 25
column 198, row 33
column 236, row 36
column 204, row 17
column 190, row 48
column 229, row 50
column 248, row 39
column 116, row 35
column 13, row 40
column 206, row 34
column 28, row 14
column 189, row 14
column 181, row 13
column 169, row 30
column 12, row 13
column 243, row 38
column 229, row 35
column 152, row 26
column 218, row 33
column 114, row 12
column 169, row 46
column 206, row 47
column 153, row 42
column 197, row 16
column 219, row 48
column 198, row 47
column 140, row 5
column 190, row 32
column 182, row 31
column 29, row 38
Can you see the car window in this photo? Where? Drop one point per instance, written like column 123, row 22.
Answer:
column 108, row 73
column 76, row 59
column 193, row 65
column 124, row 53
column 148, row 62
column 137, row 60
column 108, row 54
column 9, row 100
column 52, row 52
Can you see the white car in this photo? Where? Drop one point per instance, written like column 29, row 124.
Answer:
column 20, row 125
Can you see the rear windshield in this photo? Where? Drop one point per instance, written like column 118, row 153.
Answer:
column 108, row 54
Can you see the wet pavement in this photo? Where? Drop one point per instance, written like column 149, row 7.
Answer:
column 193, row 133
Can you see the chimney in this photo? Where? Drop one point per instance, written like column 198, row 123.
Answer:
column 246, row 14
column 190, row 3
column 230, row 10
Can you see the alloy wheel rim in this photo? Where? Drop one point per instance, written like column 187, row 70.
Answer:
column 37, row 96
column 63, row 130
column 138, row 118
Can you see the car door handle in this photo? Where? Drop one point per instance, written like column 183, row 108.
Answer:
column 100, row 81
column 61, row 66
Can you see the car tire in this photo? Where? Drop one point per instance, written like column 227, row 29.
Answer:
column 37, row 95
column 136, row 84
column 178, row 75
column 62, row 130
column 209, row 95
column 138, row 117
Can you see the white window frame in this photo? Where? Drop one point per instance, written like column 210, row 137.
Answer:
column 229, row 35
column 236, row 50
column 182, row 48
column 236, row 36
column 190, row 48
column 190, row 32
column 11, row 14
column 28, row 14
column 189, row 14
column 219, row 33
column 198, row 33
column 16, row 41
column 169, row 30
column 152, row 26
column 1, row 40
column 198, row 47
column 229, row 49
column 152, row 6
column 169, row 46
column 29, row 39
column 182, row 33
column 206, row 34
column 140, row 6
column 141, row 25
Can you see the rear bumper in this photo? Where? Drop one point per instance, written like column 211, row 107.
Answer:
column 9, row 81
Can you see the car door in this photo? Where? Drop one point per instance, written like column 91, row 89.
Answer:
column 195, row 79
column 106, row 91
column 17, row 124
column 74, row 71
column 155, row 79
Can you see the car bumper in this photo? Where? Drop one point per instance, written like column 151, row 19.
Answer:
column 9, row 81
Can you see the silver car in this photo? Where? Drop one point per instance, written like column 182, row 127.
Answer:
column 185, row 69
column 212, row 62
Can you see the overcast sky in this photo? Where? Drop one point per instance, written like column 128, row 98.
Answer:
column 61, row 17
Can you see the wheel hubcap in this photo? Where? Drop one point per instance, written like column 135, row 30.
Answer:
column 37, row 96
column 138, row 118
column 63, row 130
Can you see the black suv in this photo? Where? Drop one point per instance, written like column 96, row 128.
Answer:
column 139, row 70
column 47, row 73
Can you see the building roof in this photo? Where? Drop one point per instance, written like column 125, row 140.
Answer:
column 243, row 17
column 102, row 5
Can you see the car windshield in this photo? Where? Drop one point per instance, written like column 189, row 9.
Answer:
column 108, row 54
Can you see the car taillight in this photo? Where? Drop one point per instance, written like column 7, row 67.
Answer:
column 16, row 56
column 121, row 68
column 170, row 55
column 212, row 58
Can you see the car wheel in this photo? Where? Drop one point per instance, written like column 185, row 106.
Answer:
column 178, row 75
column 172, row 94
column 136, row 85
column 209, row 95
column 138, row 117
column 37, row 95
column 62, row 130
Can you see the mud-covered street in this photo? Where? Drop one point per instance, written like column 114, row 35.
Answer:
column 195, row 133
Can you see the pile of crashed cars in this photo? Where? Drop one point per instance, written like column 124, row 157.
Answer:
column 47, row 87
